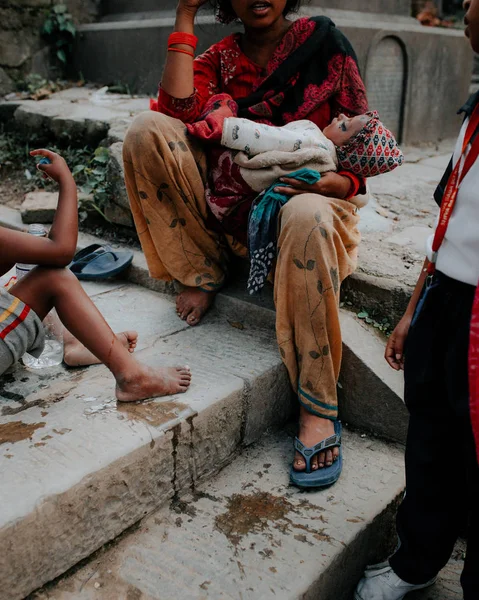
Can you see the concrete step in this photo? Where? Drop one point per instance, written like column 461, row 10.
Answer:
column 76, row 116
column 77, row 469
column 137, row 16
column 76, row 466
column 134, row 51
column 112, row 7
column 395, row 224
column 247, row 534
column 370, row 393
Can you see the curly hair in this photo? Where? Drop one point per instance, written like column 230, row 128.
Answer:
column 225, row 13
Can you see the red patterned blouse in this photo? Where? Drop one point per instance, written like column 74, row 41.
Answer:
column 224, row 68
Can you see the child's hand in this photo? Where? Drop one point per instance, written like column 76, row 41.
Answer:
column 57, row 168
column 394, row 353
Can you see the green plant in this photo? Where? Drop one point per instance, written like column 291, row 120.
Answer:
column 120, row 88
column 37, row 87
column 13, row 150
column 91, row 177
column 89, row 168
column 60, row 31
column 32, row 83
column 372, row 318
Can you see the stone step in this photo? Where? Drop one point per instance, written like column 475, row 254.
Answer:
column 76, row 116
column 74, row 465
column 113, row 7
column 138, row 16
column 81, row 115
column 247, row 534
column 394, row 225
column 134, row 51
column 370, row 393
column 90, row 469
column 389, row 7
column 77, row 466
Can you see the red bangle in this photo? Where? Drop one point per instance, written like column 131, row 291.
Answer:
column 355, row 184
column 181, row 51
column 188, row 39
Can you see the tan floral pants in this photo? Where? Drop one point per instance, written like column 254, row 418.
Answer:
column 318, row 238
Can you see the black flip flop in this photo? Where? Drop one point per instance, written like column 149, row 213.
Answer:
column 98, row 262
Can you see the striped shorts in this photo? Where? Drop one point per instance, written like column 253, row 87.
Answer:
column 20, row 330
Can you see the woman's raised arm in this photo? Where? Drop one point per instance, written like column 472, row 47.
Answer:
column 177, row 78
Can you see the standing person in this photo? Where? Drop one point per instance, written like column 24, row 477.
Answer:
column 277, row 71
column 442, row 473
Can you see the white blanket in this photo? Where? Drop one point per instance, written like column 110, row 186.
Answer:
column 266, row 153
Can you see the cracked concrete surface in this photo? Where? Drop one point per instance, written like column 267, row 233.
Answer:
column 77, row 466
column 79, row 469
column 247, row 534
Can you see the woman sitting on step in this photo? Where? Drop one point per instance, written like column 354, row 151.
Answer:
column 277, row 71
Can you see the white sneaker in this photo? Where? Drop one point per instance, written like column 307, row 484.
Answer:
column 380, row 582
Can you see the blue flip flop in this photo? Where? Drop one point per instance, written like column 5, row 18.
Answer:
column 97, row 262
column 320, row 478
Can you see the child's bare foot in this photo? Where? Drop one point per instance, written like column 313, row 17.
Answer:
column 76, row 355
column 192, row 304
column 150, row 383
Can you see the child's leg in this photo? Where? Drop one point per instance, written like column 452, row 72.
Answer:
column 44, row 289
column 76, row 355
column 432, row 513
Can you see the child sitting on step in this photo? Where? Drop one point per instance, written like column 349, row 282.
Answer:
column 51, row 285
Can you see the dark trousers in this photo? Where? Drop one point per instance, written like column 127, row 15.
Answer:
column 442, row 474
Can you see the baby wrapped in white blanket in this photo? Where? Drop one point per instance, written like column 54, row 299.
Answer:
column 266, row 153
column 360, row 145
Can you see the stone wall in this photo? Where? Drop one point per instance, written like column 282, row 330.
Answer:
column 22, row 50
column 444, row 7
column 390, row 7
column 417, row 77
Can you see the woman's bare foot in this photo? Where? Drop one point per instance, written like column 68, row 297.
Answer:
column 192, row 304
column 146, row 382
column 312, row 430
column 76, row 355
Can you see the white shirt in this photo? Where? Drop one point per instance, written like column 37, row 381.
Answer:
column 458, row 256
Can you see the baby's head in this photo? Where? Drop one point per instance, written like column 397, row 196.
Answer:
column 363, row 145
column 342, row 129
